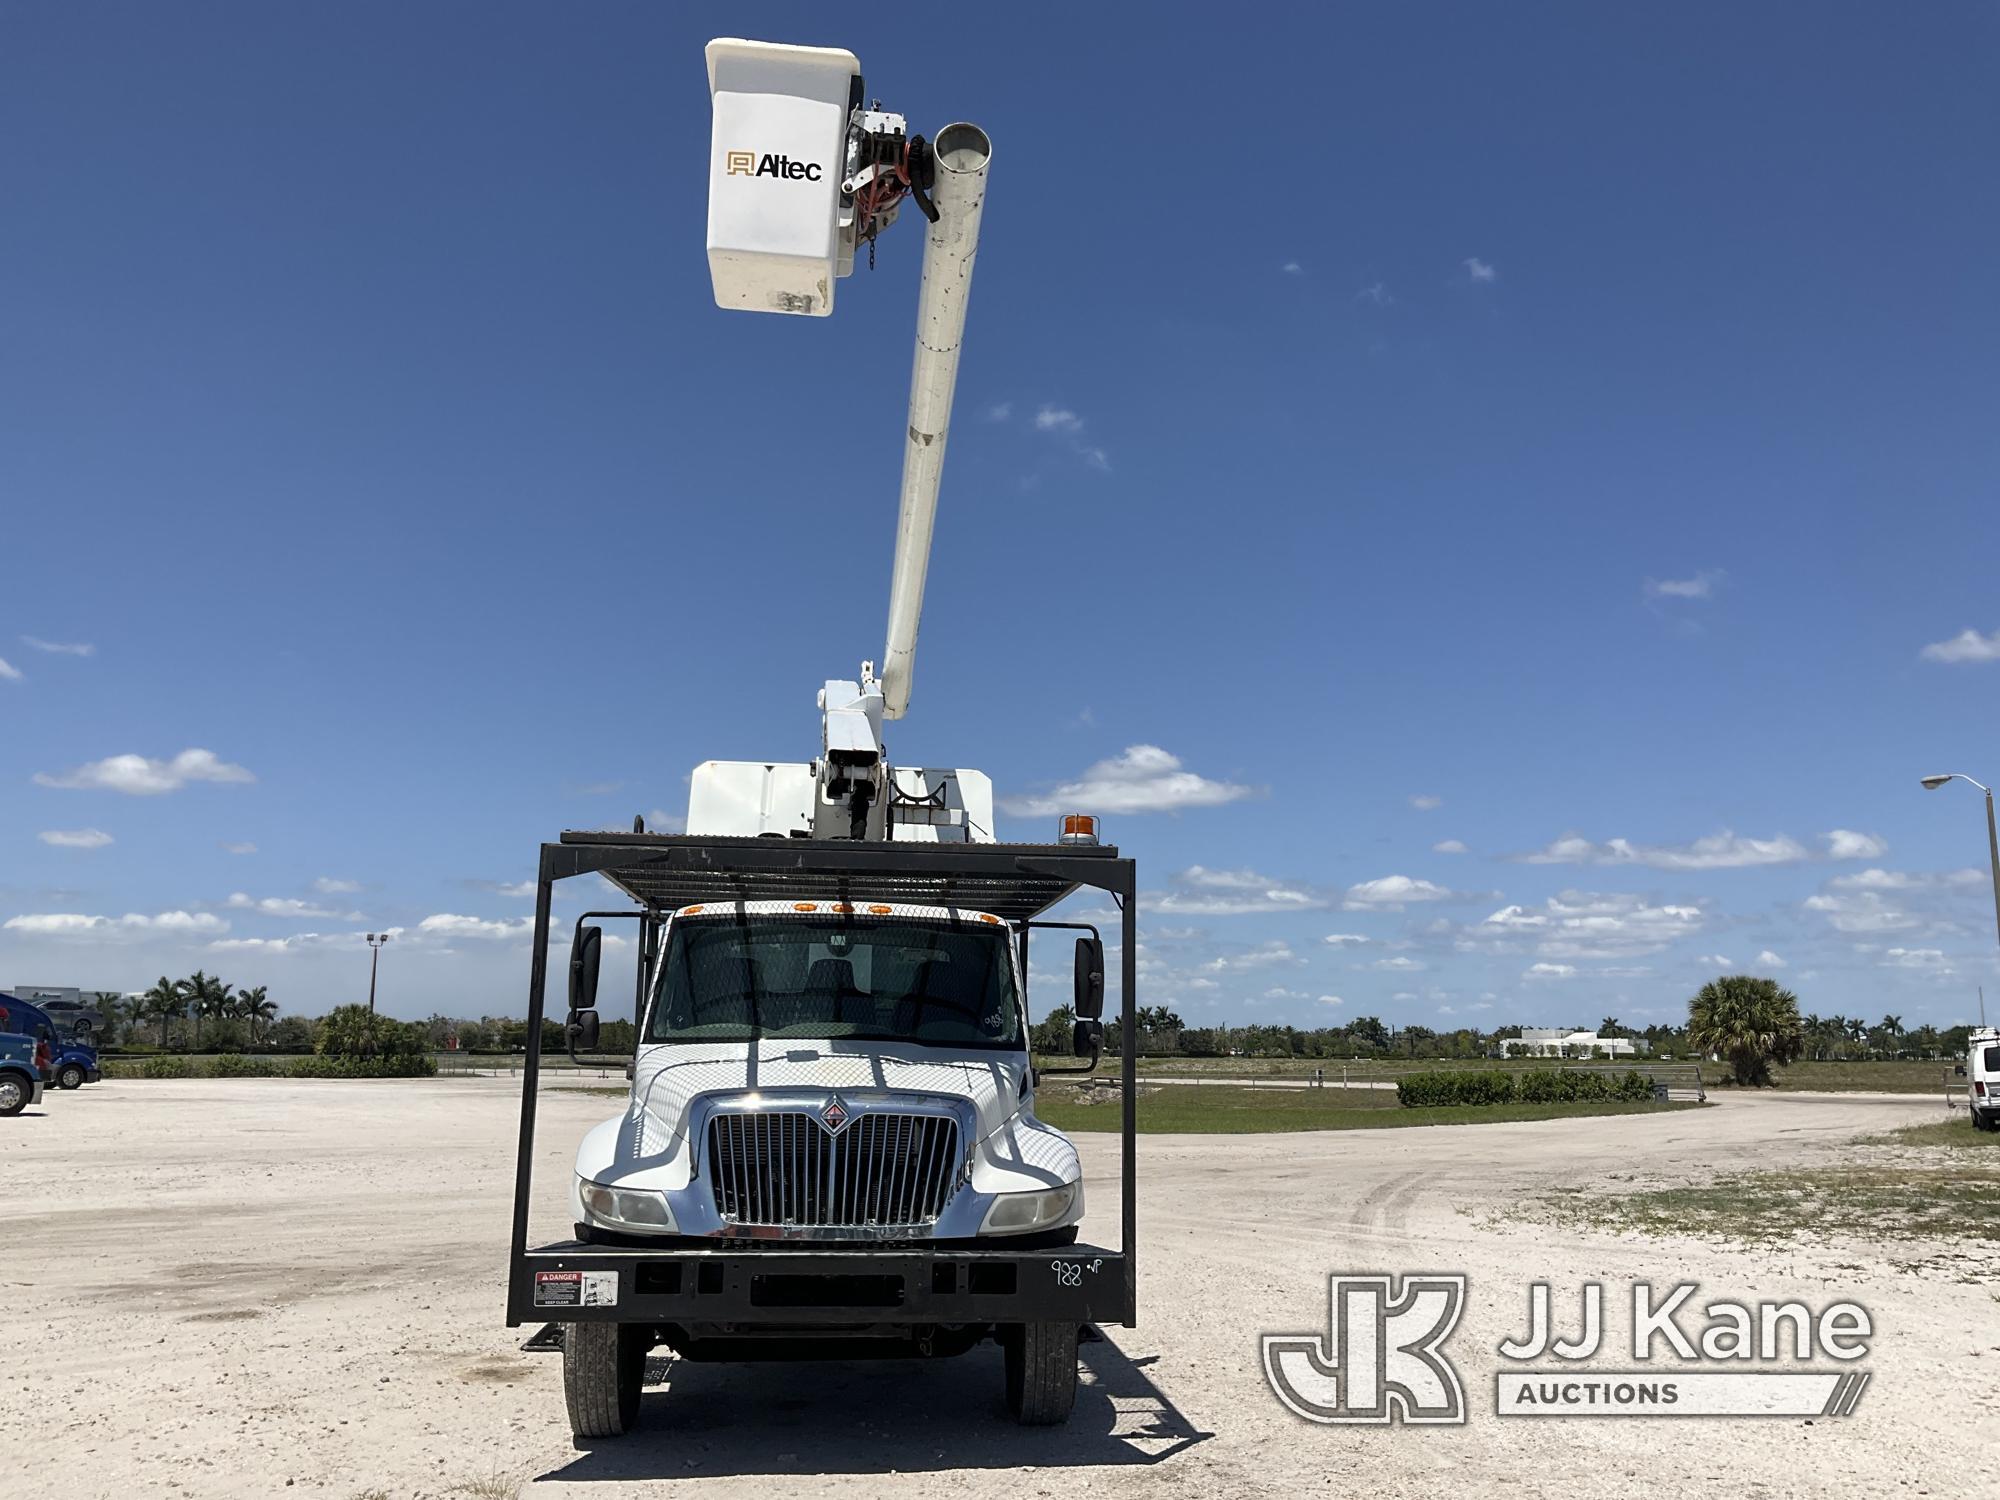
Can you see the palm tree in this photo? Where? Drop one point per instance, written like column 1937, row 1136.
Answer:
column 162, row 1003
column 253, row 1007
column 1751, row 1022
column 205, row 995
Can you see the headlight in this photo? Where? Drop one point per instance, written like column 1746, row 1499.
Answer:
column 1018, row 1213
column 642, row 1209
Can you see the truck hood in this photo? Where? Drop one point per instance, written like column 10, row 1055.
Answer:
column 667, row 1078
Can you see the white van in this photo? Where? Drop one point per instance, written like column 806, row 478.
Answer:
column 1982, row 1079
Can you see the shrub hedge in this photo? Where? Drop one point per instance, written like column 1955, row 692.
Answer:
column 1501, row 1086
column 236, row 1065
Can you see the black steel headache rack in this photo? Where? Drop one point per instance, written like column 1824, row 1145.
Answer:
column 721, row 1281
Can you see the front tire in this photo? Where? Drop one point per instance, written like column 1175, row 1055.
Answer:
column 14, row 1092
column 70, row 1076
column 1041, row 1372
column 604, row 1370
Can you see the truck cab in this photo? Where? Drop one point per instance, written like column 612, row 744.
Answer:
column 20, row 1072
column 830, row 1147
column 831, row 1070
column 20, row 1018
column 1982, row 1078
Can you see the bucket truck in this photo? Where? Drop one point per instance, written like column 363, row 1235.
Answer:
column 830, row 1144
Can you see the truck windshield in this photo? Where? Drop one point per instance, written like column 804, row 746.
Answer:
column 938, row 983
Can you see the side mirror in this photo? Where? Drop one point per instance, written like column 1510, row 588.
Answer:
column 582, row 1030
column 583, row 960
column 1089, row 1001
column 1087, row 1039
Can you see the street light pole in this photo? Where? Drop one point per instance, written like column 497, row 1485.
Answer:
column 1931, row 784
column 375, row 942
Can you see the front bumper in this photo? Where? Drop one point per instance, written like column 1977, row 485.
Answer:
column 571, row 1281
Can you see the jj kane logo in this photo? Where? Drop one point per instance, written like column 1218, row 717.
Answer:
column 1382, row 1360
column 750, row 164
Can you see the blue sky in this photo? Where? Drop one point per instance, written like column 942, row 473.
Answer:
column 1556, row 433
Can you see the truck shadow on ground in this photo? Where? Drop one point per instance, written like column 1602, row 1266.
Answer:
column 874, row 1416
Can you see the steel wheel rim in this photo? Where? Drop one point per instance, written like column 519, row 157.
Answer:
column 10, row 1093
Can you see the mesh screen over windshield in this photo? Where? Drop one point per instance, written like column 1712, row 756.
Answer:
column 943, row 983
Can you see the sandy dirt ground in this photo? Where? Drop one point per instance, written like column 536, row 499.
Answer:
column 270, row 1288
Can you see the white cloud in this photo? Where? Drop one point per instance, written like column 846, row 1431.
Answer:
column 60, row 648
column 138, row 776
column 1584, row 924
column 1479, row 270
column 1392, row 893
column 1397, row 965
column 1262, row 957
column 244, row 847
column 286, row 906
column 659, row 820
column 1718, row 851
column 1342, row 939
column 1549, row 971
column 1143, row 779
column 1845, row 843
column 1716, row 961
column 326, row 885
column 1448, row 846
column 1701, row 586
column 1862, row 911
column 1929, row 961
column 1883, row 901
column 1966, row 646
column 1873, row 879
column 449, row 925
column 1377, row 293
column 1292, row 268
column 290, row 944
column 999, row 411
column 1331, row 1000
column 8, row 671
column 1769, row 960
column 75, row 838
column 1057, row 419
column 1426, row 801
column 1097, row 458
column 132, row 924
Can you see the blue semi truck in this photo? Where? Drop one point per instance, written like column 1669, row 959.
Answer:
column 68, row 1062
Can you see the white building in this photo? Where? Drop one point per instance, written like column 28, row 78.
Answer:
column 1556, row 1041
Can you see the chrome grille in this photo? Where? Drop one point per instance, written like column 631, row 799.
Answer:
column 884, row 1171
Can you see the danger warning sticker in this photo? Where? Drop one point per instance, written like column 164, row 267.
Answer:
column 576, row 1288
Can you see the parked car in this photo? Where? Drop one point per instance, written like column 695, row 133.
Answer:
column 73, row 1016
column 20, row 1072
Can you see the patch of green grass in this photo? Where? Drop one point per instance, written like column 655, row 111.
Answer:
column 1875, row 1202
column 1955, row 1134
column 1226, row 1110
column 1898, row 1076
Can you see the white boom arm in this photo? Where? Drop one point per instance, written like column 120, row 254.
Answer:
column 800, row 176
column 963, row 152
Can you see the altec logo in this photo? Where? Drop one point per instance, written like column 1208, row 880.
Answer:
column 750, row 164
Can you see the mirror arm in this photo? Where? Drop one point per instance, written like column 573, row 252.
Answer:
column 1096, row 1057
